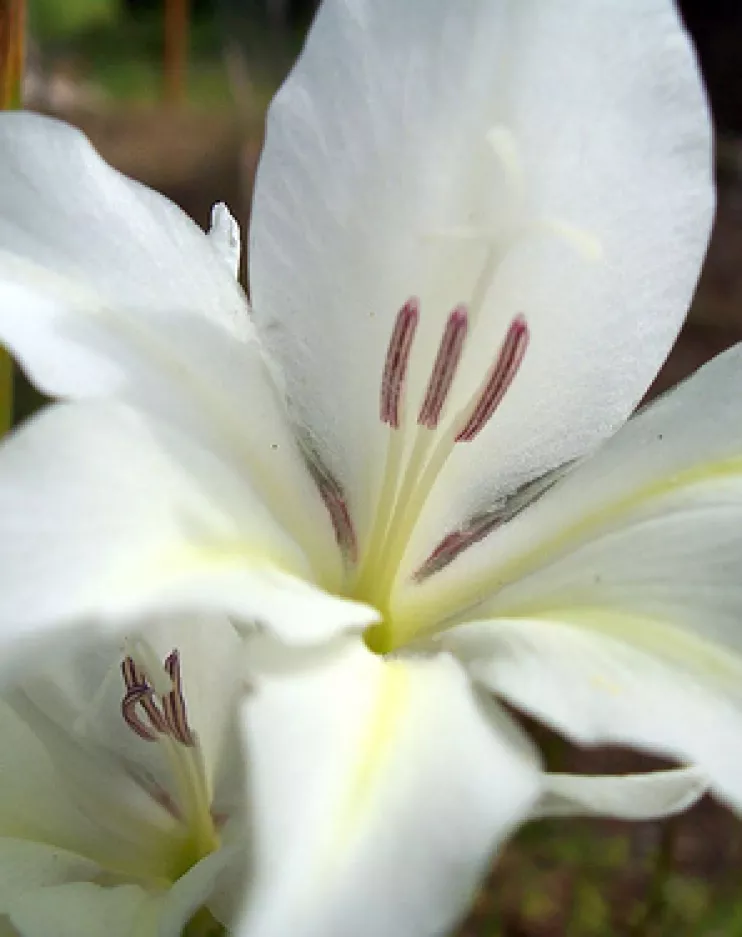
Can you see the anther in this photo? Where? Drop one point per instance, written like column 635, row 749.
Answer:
column 337, row 507
column 500, row 378
column 170, row 717
column 129, row 704
column 174, row 705
column 139, row 692
column 397, row 360
column 444, row 369
column 482, row 525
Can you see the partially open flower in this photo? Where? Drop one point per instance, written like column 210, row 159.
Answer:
column 122, row 791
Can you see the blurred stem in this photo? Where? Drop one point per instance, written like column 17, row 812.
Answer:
column 176, row 49
column 12, row 57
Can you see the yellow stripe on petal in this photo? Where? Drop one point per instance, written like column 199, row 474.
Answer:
column 386, row 717
column 462, row 593
column 667, row 642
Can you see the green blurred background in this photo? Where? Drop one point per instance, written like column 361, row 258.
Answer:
column 174, row 93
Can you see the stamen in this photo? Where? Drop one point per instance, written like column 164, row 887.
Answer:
column 446, row 552
column 135, row 696
column 172, row 720
column 482, row 525
column 498, row 381
column 174, row 705
column 444, row 369
column 139, row 691
column 397, row 360
column 337, row 507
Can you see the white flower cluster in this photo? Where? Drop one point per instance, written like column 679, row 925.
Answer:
column 266, row 571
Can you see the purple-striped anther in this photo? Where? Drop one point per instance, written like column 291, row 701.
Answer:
column 397, row 361
column 174, row 705
column 500, row 378
column 444, row 369
column 129, row 706
column 168, row 717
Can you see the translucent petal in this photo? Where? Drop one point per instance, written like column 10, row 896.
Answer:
column 604, row 689
column 107, row 288
column 522, row 158
column 120, row 517
column 87, row 910
column 648, row 796
column 649, row 527
column 381, row 790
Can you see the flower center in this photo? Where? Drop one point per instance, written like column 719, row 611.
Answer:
column 417, row 453
column 410, row 476
column 154, row 708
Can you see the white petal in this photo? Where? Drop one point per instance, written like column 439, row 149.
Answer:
column 26, row 866
column 381, row 790
column 108, row 288
column 119, row 517
column 195, row 890
column 406, row 131
column 34, row 805
column 224, row 234
column 65, row 211
column 599, row 689
column 650, row 526
column 627, row 797
column 58, row 792
column 86, row 910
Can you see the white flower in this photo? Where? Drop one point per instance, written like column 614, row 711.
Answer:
column 122, row 788
column 476, row 230
column 125, row 802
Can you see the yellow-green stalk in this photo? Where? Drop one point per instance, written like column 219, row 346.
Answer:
column 12, row 55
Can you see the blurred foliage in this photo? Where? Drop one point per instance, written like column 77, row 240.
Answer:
column 601, row 879
column 55, row 19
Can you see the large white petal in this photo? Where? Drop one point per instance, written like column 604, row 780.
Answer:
column 106, row 517
column 598, row 689
column 404, row 127
column 65, row 211
column 381, row 789
column 108, row 288
column 650, row 527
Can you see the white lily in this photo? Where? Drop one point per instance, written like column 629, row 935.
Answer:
column 475, row 234
column 122, row 794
